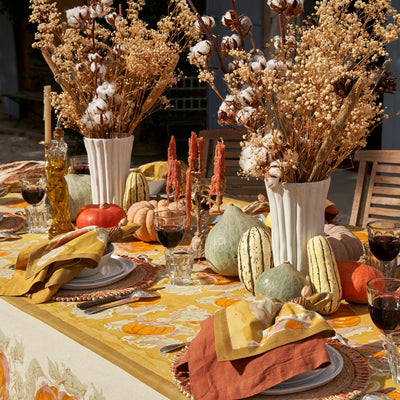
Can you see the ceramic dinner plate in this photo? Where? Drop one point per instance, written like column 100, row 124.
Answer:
column 310, row 379
column 115, row 270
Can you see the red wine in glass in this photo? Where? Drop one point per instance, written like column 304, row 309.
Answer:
column 33, row 196
column 385, row 312
column 384, row 309
column 170, row 227
column 384, row 243
column 384, row 248
column 170, row 235
column 32, row 187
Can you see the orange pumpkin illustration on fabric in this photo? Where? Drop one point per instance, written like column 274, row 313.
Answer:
column 343, row 317
column 143, row 328
column 4, row 377
column 224, row 302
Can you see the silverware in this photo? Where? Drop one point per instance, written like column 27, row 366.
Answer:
column 109, row 299
column 135, row 296
column 145, row 258
column 173, row 347
column 342, row 340
column 1, row 216
column 9, row 235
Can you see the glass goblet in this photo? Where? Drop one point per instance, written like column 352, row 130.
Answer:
column 384, row 309
column 384, row 243
column 33, row 187
column 170, row 227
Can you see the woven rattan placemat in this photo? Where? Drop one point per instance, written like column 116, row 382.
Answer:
column 11, row 222
column 141, row 277
column 349, row 384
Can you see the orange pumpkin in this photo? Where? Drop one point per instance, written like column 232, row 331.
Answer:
column 354, row 277
column 47, row 393
column 103, row 215
column 142, row 213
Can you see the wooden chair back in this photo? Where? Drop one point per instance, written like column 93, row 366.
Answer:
column 380, row 197
column 237, row 187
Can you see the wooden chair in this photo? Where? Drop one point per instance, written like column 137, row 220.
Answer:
column 381, row 198
column 237, row 187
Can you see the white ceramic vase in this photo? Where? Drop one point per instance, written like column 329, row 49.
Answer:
column 297, row 213
column 109, row 164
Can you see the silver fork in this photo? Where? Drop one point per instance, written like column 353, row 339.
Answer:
column 135, row 296
column 342, row 340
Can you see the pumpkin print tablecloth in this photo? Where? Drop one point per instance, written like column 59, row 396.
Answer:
column 55, row 349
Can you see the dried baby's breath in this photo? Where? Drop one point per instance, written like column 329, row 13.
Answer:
column 112, row 68
column 311, row 105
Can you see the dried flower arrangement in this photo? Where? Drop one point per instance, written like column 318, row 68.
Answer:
column 309, row 107
column 112, row 68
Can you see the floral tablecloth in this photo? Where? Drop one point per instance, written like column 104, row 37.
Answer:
column 55, row 349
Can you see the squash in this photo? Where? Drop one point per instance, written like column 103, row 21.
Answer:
column 254, row 255
column 80, row 193
column 323, row 271
column 354, row 277
column 221, row 246
column 104, row 215
column 345, row 245
column 142, row 213
column 283, row 282
column 136, row 189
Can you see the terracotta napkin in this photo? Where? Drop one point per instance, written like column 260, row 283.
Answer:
column 42, row 269
column 246, row 329
column 211, row 379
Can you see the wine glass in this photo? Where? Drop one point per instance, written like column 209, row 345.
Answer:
column 384, row 243
column 384, row 309
column 32, row 188
column 170, row 227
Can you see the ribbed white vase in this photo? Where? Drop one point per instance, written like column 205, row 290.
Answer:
column 109, row 164
column 297, row 213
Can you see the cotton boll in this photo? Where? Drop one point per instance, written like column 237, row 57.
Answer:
column 106, row 90
column 209, row 22
column 203, row 48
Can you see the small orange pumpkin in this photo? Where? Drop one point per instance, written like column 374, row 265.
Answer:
column 104, row 215
column 142, row 213
column 354, row 277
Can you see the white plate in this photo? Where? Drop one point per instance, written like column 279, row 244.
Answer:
column 310, row 379
column 116, row 269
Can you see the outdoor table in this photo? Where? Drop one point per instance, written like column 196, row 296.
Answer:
column 114, row 354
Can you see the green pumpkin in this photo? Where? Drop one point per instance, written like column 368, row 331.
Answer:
column 283, row 282
column 80, row 193
column 221, row 247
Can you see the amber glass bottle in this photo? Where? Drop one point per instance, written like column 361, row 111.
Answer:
column 56, row 188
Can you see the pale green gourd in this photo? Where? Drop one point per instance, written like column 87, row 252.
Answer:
column 80, row 193
column 221, row 247
column 283, row 282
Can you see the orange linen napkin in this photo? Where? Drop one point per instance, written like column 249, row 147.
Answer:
column 211, row 379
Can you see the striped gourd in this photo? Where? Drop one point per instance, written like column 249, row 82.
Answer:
column 254, row 255
column 324, row 273
column 136, row 189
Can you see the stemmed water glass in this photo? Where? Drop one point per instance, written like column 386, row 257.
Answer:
column 384, row 309
column 384, row 243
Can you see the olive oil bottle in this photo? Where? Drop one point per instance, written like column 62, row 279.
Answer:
column 57, row 188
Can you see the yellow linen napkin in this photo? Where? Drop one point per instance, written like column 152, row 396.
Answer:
column 247, row 329
column 42, row 269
